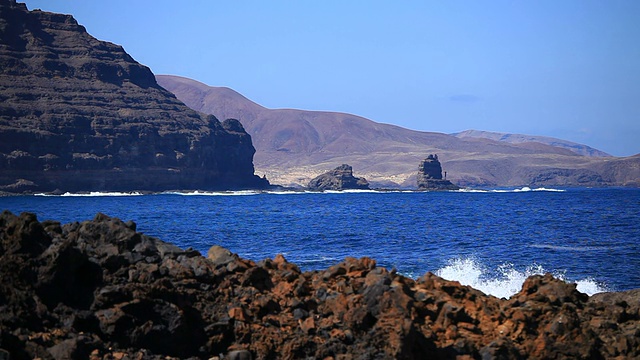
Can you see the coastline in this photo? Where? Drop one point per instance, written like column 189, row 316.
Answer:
column 104, row 289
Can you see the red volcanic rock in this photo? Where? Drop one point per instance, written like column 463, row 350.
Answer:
column 100, row 290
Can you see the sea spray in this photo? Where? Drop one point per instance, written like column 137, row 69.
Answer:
column 506, row 280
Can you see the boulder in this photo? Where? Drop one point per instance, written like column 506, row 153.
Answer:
column 340, row 178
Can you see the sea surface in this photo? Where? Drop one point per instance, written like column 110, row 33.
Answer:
column 489, row 239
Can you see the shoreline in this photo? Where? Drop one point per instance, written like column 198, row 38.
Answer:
column 105, row 290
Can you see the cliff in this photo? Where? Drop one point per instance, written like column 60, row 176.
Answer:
column 430, row 175
column 79, row 114
column 340, row 178
column 100, row 290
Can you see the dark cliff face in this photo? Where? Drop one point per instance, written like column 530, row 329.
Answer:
column 430, row 175
column 79, row 114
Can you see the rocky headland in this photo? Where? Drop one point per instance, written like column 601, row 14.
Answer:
column 100, row 290
column 293, row 146
column 340, row 178
column 430, row 175
column 79, row 114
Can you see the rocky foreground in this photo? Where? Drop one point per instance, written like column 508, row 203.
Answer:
column 100, row 290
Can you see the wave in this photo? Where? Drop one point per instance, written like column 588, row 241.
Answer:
column 570, row 248
column 506, row 280
column 517, row 190
column 93, row 194
column 213, row 193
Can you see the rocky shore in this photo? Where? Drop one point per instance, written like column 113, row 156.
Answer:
column 100, row 290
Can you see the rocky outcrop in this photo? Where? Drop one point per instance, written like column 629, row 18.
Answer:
column 340, row 178
column 291, row 144
column 430, row 175
column 79, row 114
column 100, row 290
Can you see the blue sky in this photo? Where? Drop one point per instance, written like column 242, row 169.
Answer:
column 568, row 69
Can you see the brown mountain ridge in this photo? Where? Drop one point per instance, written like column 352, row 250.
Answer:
column 293, row 146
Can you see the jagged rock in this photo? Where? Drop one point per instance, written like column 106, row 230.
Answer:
column 340, row 178
column 79, row 114
column 138, row 297
column 430, row 175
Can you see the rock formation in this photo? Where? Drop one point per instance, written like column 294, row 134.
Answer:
column 79, row 114
column 100, row 290
column 340, row 178
column 430, row 175
column 292, row 143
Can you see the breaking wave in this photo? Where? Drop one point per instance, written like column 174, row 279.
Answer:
column 506, row 280
column 94, row 194
column 517, row 190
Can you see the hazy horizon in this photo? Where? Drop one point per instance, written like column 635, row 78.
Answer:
column 569, row 70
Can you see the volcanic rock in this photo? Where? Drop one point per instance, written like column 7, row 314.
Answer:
column 79, row 114
column 100, row 290
column 340, row 178
column 430, row 175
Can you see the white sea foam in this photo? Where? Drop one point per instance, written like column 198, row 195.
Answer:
column 517, row 190
column 506, row 280
column 214, row 193
column 94, row 194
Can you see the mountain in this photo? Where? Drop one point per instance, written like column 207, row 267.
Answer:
column 79, row 114
column 294, row 146
column 579, row 149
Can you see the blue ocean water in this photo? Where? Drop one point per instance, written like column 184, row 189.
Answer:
column 491, row 240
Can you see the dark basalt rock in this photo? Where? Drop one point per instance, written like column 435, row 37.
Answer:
column 79, row 114
column 430, row 175
column 340, row 178
column 100, row 290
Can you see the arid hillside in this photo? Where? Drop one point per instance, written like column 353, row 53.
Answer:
column 293, row 146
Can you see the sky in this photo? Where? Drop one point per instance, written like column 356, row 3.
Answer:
column 568, row 69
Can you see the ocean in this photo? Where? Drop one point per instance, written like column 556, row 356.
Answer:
column 489, row 239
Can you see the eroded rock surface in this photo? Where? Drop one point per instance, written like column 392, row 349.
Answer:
column 340, row 178
column 79, row 114
column 430, row 175
column 100, row 290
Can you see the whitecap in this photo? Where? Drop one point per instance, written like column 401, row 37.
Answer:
column 214, row 193
column 94, row 194
column 506, row 280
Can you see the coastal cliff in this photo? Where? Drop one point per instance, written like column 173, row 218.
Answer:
column 79, row 114
column 100, row 290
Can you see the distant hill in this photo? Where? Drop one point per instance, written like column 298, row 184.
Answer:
column 80, row 114
column 579, row 149
column 293, row 146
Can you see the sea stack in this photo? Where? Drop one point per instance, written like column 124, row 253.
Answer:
column 430, row 175
column 80, row 114
column 340, row 178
